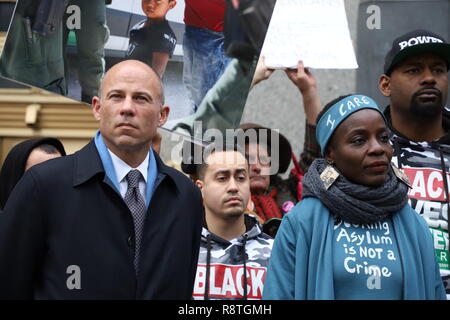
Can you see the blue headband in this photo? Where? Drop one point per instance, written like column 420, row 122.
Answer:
column 331, row 119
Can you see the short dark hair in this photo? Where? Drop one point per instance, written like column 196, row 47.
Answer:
column 213, row 147
column 47, row 148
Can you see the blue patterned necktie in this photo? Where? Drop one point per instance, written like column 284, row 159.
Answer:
column 136, row 204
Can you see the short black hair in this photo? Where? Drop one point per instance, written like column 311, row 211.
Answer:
column 47, row 148
column 210, row 149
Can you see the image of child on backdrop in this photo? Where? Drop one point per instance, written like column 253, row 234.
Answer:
column 152, row 40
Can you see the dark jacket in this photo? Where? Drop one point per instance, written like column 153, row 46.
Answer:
column 244, row 259
column 64, row 215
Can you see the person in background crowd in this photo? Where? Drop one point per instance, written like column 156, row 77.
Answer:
column 275, row 199
column 304, row 80
column 415, row 80
column 111, row 221
column 234, row 252
column 22, row 157
column 271, row 195
column 352, row 192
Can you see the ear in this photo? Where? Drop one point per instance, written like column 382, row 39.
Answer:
column 200, row 185
column 163, row 115
column 96, row 108
column 384, row 85
column 172, row 4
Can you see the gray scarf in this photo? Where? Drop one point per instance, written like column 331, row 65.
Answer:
column 354, row 203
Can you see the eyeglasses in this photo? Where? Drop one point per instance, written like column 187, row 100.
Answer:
column 263, row 161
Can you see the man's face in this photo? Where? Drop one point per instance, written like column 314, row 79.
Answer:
column 259, row 165
column 418, row 85
column 130, row 108
column 225, row 184
column 360, row 148
column 157, row 9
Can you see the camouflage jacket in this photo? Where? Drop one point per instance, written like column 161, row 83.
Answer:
column 228, row 269
column 426, row 164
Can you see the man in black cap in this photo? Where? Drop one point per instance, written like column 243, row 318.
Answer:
column 415, row 80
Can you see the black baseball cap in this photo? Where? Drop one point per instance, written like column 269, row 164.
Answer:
column 415, row 42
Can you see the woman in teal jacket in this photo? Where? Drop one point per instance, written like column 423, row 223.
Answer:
column 354, row 236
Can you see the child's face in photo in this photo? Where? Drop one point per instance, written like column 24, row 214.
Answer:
column 157, row 9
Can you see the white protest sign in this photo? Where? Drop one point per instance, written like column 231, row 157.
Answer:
column 315, row 31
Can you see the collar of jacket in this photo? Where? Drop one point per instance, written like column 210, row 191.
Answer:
column 445, row 139
column 253, row 230
column 87, row 164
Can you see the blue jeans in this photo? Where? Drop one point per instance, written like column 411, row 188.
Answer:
column 204, row 62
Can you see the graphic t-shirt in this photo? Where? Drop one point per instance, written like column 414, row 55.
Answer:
column 229, row 270
column 147, row 39
column 366, row 262
column 426, row 164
